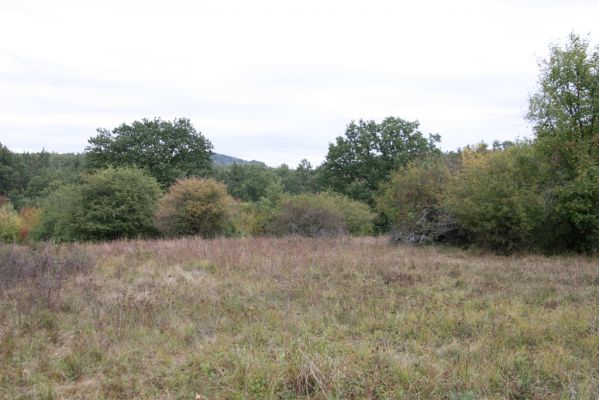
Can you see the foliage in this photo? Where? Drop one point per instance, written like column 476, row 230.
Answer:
column 302, row 179
column 251, row 181
column 27, row 178
column 499, row 197
column 264, row 210
column 247, row 182
column 565, row 114
column 565, row 107
column 118, row 203
column 307, row 216
column 9, row 223
column 245, row 219
column 194, row 206
column 44, row 172
column 29, row 219
column 358, row 163
column 415, row 188
column 320, row 214
column 61, row 211
column 357, row 217
column 167, row 150
column 7, row 170
column 109, row 204
column 573, row 223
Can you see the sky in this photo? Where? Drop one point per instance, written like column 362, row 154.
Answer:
column 275, row 80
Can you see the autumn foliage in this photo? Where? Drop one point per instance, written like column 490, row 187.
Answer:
column 194, row 206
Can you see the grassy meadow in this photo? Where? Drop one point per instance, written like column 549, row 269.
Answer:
column 297, row 318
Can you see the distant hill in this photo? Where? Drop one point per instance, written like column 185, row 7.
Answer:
column 222, row 160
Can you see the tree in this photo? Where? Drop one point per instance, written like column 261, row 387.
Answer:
column 565, row 115
column 298, row 180
column 7, row 170
column 194, row 206
column 358, row 163
column 565, row 107
column 167, row 150
column 109, row 204
column 247, row 182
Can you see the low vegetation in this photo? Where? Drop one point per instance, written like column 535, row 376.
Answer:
column 194, row 206
column 319, row 215
column 259, row 318
column 109, row 204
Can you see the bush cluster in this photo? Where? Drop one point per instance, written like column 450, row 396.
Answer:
column 321, row 214
column 194, row 206
column 9, row 224
column 16, row 227
column 109, row 204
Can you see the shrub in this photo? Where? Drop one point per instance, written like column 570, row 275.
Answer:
column 320, row 214
column 498, row 196
column 60, row 212
column 194, row 206
column 29, row 219
column 246, row 219
column 110, row 204
column 573, row 220
column 357, row 216
column 9, row 224
column 410, row 191
column 118, row 203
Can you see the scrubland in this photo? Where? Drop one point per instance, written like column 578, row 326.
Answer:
column 294, row 318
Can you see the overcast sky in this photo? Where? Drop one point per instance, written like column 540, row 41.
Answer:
column 274, row 80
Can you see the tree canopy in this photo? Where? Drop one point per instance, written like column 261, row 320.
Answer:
column 359, row 162
column 166, row 150
column 565, row 108
column 565, row 115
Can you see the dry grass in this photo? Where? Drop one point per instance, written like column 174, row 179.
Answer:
column 303, row 318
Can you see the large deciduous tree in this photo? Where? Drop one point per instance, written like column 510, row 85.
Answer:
column 359, row 162
column 564, row 109
column 565, row 115
column 167, row 150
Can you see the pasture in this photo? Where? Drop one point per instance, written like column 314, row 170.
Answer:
column 294, row 318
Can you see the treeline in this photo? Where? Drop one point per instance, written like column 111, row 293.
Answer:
column 155, row 178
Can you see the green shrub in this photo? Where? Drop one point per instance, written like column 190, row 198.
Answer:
column 244, row 219
column 573, row 223
column 60, row 212
column 9, row 224
column 194, row 206
column 410, row 191
column 110, row 204
column 320, row 214
column 498, row 196
column 357, row 216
